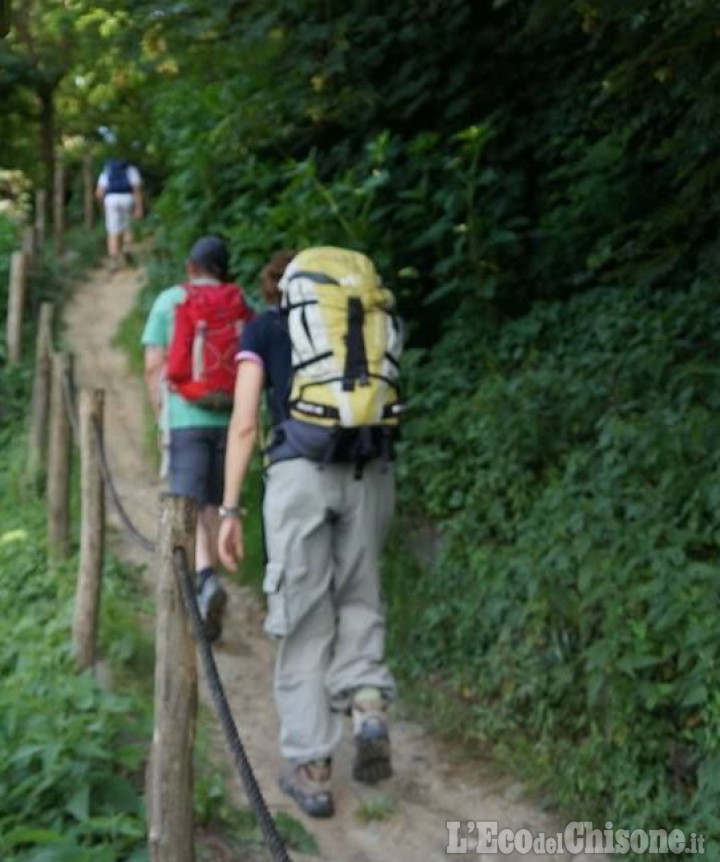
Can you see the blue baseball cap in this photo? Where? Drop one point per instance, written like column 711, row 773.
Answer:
column 211, row 253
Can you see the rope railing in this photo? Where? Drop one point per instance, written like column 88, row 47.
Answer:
column 132, row 530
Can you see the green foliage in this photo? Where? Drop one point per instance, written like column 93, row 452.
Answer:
column 577, row 448
column 70, row 753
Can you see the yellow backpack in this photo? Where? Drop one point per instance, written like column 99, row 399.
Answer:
column 346, row 340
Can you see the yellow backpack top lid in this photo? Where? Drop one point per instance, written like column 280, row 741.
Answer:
column 346, row 340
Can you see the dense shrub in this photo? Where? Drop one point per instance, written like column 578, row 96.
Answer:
column 571, row 462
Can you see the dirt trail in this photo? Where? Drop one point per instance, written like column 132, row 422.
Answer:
column 430, row 786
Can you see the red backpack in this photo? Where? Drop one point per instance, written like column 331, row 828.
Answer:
column 200, row 363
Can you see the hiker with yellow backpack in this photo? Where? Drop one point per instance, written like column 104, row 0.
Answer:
column 327, row 357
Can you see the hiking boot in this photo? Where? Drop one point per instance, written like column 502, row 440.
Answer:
column 212, row 599
column 372, row 738
column 309, row 785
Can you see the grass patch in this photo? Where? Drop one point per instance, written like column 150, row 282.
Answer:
column 377, row 808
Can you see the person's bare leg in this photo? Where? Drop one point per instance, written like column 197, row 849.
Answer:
column 113, row 247
column 208, row 523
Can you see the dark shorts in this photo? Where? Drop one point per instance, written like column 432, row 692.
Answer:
column 197, row 463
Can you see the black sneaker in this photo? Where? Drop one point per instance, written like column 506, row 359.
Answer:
column 309, row 785
column 212, row 599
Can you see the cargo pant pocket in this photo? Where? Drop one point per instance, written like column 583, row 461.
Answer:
column 276, row 621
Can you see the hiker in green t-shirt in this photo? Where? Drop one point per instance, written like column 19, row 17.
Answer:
column 195, row 434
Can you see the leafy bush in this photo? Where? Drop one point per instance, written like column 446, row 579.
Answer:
column 70, row 753
column 570, row 462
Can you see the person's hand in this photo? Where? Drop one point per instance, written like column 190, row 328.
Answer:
column 230, row 543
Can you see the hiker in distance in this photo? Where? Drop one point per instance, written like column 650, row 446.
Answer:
column 326, row 355
column 119, row 189
column 190, row 340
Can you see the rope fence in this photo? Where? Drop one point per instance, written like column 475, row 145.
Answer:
column 132, row 531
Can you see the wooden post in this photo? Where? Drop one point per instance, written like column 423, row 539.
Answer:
column 16, row 301
column 92, row 530
column 170, row 779
column 88, row 193
column 59, row 203
column 37, row 434
column 59, row 456
column 40, row 217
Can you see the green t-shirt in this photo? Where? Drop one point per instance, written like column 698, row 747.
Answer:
column 177, row 412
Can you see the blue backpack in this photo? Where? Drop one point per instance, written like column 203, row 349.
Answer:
column 118, row 182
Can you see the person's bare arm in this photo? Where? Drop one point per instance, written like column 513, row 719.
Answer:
column 154, row 361
column 242, row 437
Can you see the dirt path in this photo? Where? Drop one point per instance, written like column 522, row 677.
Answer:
column 429, row 788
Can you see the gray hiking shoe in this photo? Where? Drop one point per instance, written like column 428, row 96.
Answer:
column 372, row 737
column 212, row 599
column 309, row 785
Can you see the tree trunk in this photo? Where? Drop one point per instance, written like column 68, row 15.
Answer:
column 5, row 13
column 88, row 193
column 46, row 95
column 16, row 304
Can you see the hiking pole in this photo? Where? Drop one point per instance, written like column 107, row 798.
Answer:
column 272, row 837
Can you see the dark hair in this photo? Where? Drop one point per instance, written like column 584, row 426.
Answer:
column 271, row 274
column 211, row 254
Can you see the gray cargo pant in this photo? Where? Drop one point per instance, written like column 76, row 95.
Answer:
column 324, row 532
